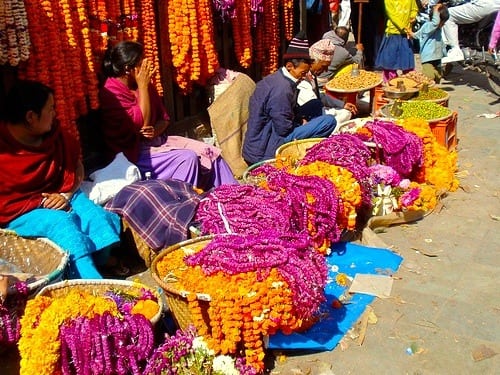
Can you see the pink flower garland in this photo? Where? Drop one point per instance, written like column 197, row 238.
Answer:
column 106, row 344
column 401, row 149
column 303, row 268
column 347, row 151
column 242, row 209
column 10, row 312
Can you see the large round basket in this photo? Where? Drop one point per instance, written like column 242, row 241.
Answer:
column 38, row 261
column 100, row 287
column 248, row 178
column 176, row 299
column 290, row 153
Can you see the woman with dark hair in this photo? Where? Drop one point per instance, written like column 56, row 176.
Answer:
column 40, row 176
column 134, row 121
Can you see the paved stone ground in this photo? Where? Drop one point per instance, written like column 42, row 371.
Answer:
column 447, row 306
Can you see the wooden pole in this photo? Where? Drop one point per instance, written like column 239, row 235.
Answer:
column 303, row 15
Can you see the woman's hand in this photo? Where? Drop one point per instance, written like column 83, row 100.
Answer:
column 148, row 131
column 55, row 201
column 144, row 73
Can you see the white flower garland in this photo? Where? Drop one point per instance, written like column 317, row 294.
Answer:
column 14, row 36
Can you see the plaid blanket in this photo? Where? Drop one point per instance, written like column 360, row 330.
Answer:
column 159, row 211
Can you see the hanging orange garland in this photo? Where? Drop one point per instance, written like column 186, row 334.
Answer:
column 288, row 20
column 242, row 34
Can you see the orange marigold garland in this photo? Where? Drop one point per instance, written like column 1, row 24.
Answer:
column 287, row 8
column 440, row 164
column 242, row 33
column 147, row 20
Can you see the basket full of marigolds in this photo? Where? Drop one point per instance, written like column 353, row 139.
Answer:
column 237, row 289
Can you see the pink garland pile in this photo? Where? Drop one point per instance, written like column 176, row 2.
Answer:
column 303, row 268
column 10, row 313
column 106, row 344
column 242, row 209
column 321, row 214
column 401, row 149
column 347, row 151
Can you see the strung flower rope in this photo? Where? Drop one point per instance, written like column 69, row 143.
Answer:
column 314, row 203
column 401, row 149
column 247, row 208
column 347, row 186
column 347, row 151
column 106, row 344
column 243, row 307
column 14, row 36
column 10, row 313
column 226, row 8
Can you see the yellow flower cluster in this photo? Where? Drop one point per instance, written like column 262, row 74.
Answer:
column 427, row 198
column 39, row 345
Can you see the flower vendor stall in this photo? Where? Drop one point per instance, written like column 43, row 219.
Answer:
column 265, row 269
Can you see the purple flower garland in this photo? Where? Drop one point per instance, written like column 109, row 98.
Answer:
column 401, row 149
column 303, row 268
column 347, row 151
column 242, row 209
column 106, row 344
column 10, row 313
column 321, row 213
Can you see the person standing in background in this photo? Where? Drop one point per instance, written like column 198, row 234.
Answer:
column 345, row 13
column 495, row 35
column 396, row 51
column 432, row 48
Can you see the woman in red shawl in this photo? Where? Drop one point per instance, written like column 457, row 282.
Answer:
column 134, row 121
column 40, row 176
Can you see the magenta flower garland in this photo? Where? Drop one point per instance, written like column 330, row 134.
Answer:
column 242, row 209
column 401, row 150
column 106, row 344
column 303, row 268
column 314, row 201
column 10, row 312
column 347, row 151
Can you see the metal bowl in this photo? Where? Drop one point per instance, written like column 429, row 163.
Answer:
column 394, row 93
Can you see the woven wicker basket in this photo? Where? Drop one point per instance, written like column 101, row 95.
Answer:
column 39, row 257
column 133, row 241
column 290, row 153
column 176, row 299
column 100, row 287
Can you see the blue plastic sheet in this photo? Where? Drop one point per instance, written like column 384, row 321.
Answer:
column 348, row 258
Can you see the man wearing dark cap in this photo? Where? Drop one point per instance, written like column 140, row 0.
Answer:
column 273, row 117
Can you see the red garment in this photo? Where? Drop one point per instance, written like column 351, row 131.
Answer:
column 122, row 117
column 27, row 171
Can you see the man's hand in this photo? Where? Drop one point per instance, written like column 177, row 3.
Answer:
column 351, row 108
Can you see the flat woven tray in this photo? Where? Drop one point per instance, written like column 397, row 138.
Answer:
column 100, row 287
column 296, row 150
column 40, row 260
column 176, row 299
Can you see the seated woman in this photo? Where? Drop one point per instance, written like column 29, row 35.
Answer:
column 134, row 121
column 40, row 174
